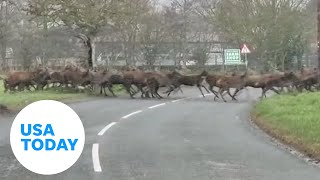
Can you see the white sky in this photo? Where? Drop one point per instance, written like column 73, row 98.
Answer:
column 163, row 2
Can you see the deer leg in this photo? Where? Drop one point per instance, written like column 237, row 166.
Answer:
column 153, row 91
column 147, row 94
column 27, row 87
column 132, row 90
column 308, row 87
column 153, row 94
column 215, row 98
column 159, row 96
column 206, row 88
column 221, row 94
column 150, row 89
column 213, row 91
column 262, row 93
column 270, row 88
column 128, row 89
column 170, row 91
column 180, row 89
column 110, row 89
column 104, row 89
column 276, row 91
column 101, row 87
column 233, row 96
column 156, row 92
column 143, row 93
column 201, row 90
column 300, row 87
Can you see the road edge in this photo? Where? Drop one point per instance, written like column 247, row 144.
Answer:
column 294, row 149
column 10, row 111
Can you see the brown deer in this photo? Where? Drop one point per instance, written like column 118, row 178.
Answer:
column 193, row 80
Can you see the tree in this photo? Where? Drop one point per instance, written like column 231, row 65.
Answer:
column 5, row 13
column 200, row 55
column 153, row 33
column 85, row 18
column 177, row 19
column 276, row 30
column 129, row 22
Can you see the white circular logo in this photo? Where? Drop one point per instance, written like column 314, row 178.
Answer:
column 47, row 137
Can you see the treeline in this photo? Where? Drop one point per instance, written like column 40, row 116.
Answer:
column 279, row 32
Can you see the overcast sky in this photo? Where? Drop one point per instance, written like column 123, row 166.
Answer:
column 163, row 1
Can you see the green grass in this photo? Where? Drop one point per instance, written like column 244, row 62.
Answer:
column 18, row 100
column 294, row 118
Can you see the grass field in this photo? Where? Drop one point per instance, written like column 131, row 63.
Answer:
column 18, row 100
column 294, row 119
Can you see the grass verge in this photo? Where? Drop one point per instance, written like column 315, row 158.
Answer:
column 18, row 100
column 293, row 119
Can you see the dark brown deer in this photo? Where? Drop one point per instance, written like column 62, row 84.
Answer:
column 56, row 77
column 75, row 77
column 109, row 79
column 307, row 80
column 137, row 78
column 225, row 83
column 157, row 80
column 21, row 80
column 269, row 81
column 194, row 80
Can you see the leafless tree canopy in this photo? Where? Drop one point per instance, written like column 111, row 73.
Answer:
column 156, row 33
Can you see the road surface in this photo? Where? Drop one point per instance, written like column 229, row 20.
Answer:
column 185, row 137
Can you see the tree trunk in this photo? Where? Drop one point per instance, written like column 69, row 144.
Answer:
column 3, row 51
column 89, row 45
column 4, row 15
column 93, row 56
column 318, row 43
column 133, row 49
column 45, row 42
column 91, row 51
column 299, row 62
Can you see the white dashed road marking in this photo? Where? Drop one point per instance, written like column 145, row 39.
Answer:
column 106, row 128
column 158, row 105
column 95, row 147
column 131, row 114
column 95, row 158
column 178, row 100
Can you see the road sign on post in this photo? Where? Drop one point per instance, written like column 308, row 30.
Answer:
column 232, row 57
column 245, row 50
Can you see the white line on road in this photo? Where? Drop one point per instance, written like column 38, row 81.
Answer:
column 158, row 105
column 178, row 100
column 106, row 128
column 95, row 158
column 131, row 114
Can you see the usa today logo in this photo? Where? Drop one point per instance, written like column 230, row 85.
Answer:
column 47, row 137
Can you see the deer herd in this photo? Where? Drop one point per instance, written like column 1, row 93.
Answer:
column 149, row 83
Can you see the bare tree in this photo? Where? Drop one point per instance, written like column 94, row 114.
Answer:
column 84, row 18
column 276, row 30
column 128, row 23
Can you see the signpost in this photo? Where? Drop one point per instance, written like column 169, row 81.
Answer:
column 232, row 57
column 245, row 50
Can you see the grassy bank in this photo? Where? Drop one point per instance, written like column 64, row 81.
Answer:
column 295, row 120
column 18, row 100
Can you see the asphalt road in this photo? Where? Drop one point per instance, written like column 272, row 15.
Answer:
column 188, row 139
